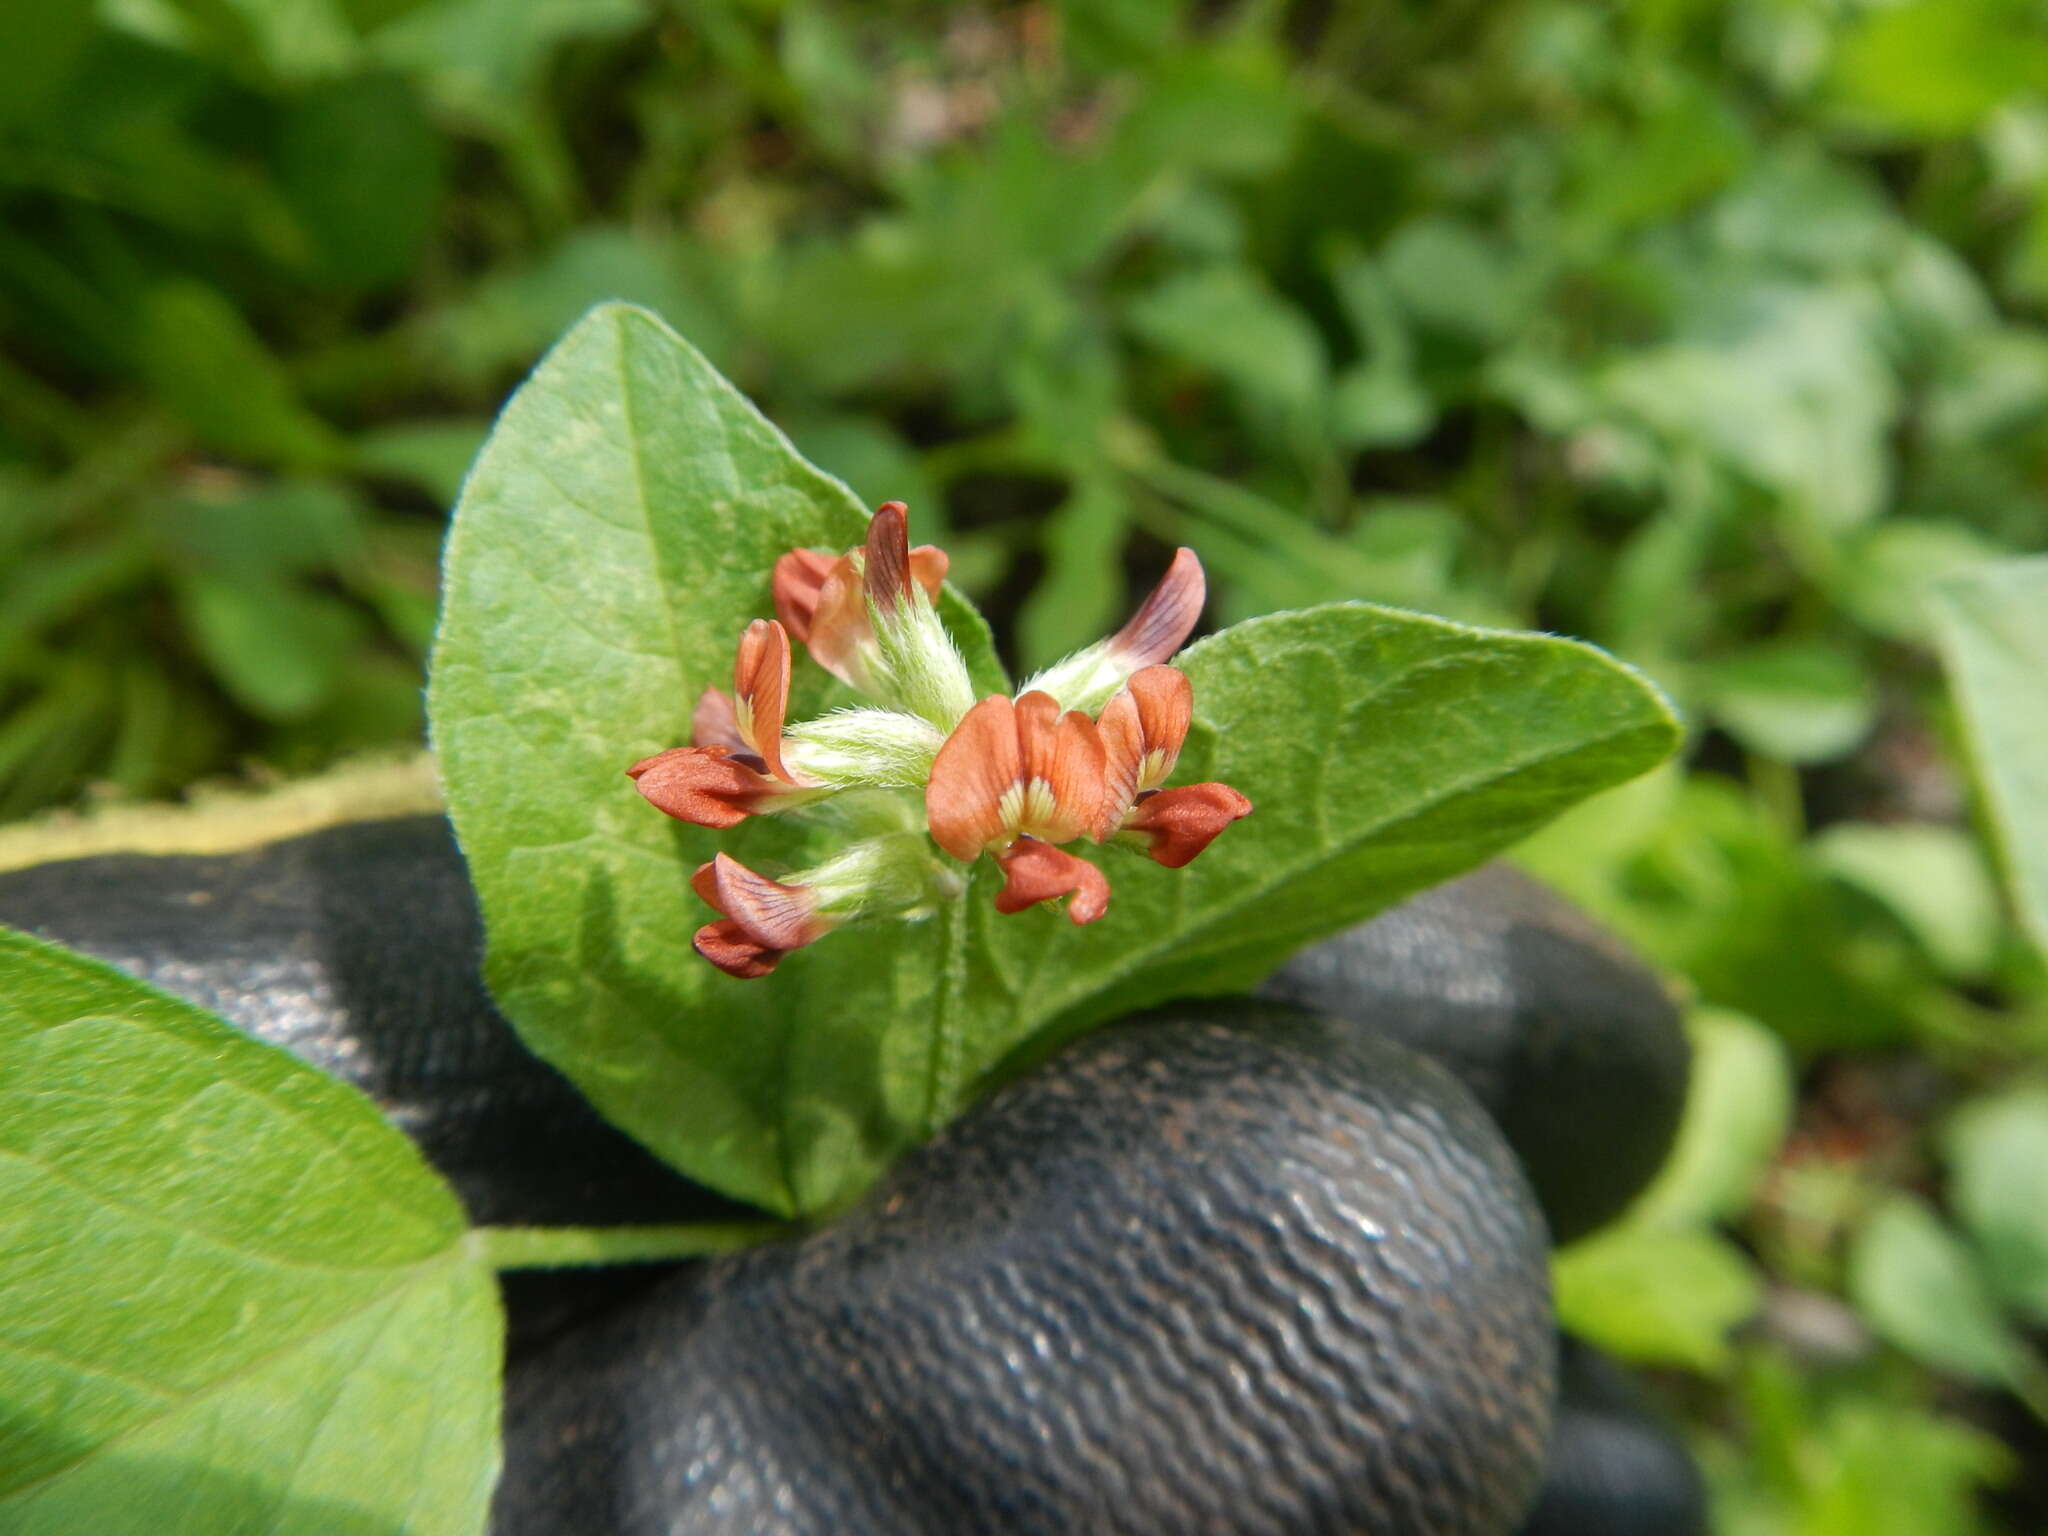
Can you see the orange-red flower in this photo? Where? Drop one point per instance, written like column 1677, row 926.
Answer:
column 1143, row 729
column 824, row 600
column 761, row 920
column 734, row 766
column 1015, row 778
column 1084, row 750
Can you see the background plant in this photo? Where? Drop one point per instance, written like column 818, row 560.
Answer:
column 1705, row 329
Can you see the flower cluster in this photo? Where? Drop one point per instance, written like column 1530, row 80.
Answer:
column 1083, row 750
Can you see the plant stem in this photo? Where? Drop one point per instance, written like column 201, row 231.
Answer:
column 942, row 1096
column 571, row 1247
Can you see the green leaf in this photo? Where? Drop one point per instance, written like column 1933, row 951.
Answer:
column 1455, row 280
column 480, row 58
column 433, row 455
column 1786, row 385
column 1937, row 67
column 612, row 541
column 44, row 46
column 1930, row 877
column 1075, row 601
column 1992, row 624
column 512, row 314
column 1738, row 1107
column 278, row 649
column 1886, row 572
column 236, row 1299
column 615, row 536
column 1998, row 1155
column 1383, row 751
column 1797, row 700
column 1225, row 321
column 1919, row 1288
column 1656, row 1296
column 359, row 164
column 204, row 361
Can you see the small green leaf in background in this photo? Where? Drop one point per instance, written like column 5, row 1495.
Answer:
column 204, row 361
column 433, row 455
column 1992, row 625
column 1454, row 280
column 1826, row 1455
column 44, row 46
column 1738, row 1108
column 1660, row 1286
column 278, row 649
column 1997, row 1150
column 1796, row 700
column 1937, row 67
column 1666, row 1297
column 236, row 1298
column 1377, row 402
column 1224, row 321
column 1917, row 1284
column 1076, row 601
column 1888, row 568
column 360, row 165
column 1932, row 878
column 616, row 536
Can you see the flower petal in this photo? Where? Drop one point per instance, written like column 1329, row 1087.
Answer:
column 928, row 567
column 886, row 569
column 707, row 786
column 1180, row 823
column 760, row 682
column 798, row 577
column 772, row 914
column 713, row 723
column 1060, row 761
column 840, row 635
column 1142, row 729
column 973, row 771
column 1035, row 871
column 1166, row 618
column 726, row 945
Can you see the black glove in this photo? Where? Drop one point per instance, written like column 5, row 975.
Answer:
column 1232, row 1268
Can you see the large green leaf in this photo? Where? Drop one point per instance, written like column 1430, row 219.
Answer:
column 615, row 536
column 1383, row 751
column 236, row 1300
column 1992, row 624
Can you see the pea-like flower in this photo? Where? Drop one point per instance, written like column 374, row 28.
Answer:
column 1083, row 751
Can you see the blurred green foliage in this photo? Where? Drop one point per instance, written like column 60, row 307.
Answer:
column 1710, row 330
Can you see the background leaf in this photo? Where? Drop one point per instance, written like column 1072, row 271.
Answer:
column 1738, row 1107
column 1992, row 624
column 1998, row 1151
column 1921, row 1289
column 1668, row 1297
column 232, row 1289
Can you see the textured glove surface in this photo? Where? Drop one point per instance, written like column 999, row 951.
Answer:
column 1568, row 1039
column 1234, row 1270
